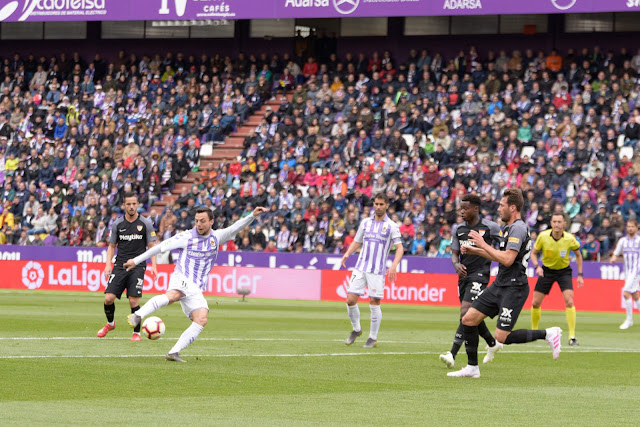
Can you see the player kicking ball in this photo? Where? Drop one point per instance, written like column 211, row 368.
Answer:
column 375, row 237
column 508, row 293
column 198, row 252
column 473, row 272
column 131, row 234
column 629, row 246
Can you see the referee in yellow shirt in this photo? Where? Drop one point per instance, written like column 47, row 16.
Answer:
column 555, row 245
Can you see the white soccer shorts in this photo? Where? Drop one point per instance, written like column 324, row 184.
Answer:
column 631, row 284
column 360, row 281
column 192, row 299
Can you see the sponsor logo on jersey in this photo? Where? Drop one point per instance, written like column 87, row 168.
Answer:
column 514, row 240
column 131, row 237
column 153, row 234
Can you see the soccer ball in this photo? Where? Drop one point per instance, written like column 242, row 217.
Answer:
column 153, row 327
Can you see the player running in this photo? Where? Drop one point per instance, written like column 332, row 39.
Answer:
column 375, row 236
column 131, row 234
column 473, row 272
column 508, row 293
column 555, row 245
column 629, row 247
column 199, row 251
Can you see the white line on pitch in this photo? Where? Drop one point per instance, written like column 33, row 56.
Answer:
column 389, row 353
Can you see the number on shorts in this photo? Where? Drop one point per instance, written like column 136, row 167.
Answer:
column 111, row 278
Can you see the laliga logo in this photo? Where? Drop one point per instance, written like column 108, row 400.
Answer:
column 564, row 4
column 346, row 7
column 32, row 275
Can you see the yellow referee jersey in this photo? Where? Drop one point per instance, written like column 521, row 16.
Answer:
column 555, row 253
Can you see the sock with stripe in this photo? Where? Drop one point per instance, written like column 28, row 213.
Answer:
column 110, row 312
column 536, row 314
column 457, row 341
column 354, row 316
column 152, row 305
column 485, row 334
column 628, row 303
column 187, row 337
column 571, row 321
column 471, row 339
column 376, row 319
column 522, row 336
column 137, row 328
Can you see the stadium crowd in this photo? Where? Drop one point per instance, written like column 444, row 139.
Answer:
column 423, row 129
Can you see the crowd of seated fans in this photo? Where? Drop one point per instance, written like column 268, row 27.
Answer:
column 423, row 128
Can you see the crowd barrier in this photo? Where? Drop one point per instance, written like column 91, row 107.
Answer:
column 436, row 289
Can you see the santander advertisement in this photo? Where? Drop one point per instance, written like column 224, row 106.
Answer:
column 294, row 284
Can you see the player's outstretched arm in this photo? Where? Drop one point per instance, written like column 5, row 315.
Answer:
column 179, row 241
column 230, row 232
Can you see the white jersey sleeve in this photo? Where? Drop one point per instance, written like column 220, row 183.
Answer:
column 179, row 241
column 226, row 234
column 396, row 237
column 619, row 247
column 360, row 233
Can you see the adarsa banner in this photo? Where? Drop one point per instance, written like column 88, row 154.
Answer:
column 293, row 284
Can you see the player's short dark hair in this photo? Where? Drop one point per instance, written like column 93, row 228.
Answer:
column 382, row 196
column 130, row 194
column 514, row 198
column 473, row 199
column 632, row 221
column 204, row 209
column 562, row 214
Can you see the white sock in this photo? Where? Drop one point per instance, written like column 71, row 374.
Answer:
column 376, row 318
column 354, row 315
column 152, row 305
column 111, row 323
column 187, row 337
column 629, row 305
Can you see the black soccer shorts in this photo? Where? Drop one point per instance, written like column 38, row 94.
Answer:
column 470, row 287
column 121, row 279
column 506, row 302
column 564, row 277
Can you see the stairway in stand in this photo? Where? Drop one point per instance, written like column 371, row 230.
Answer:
column 231, row 149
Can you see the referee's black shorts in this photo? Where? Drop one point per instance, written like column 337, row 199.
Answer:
column 564, row 277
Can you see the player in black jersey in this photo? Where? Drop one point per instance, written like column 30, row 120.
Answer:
column 473, row 272
column 508, row 293
column 132, row 234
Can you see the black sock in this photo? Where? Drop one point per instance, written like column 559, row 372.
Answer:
column 133, row 310
column 471, row 339
column 525, row 335
column 110, row 311
column 485, row 334
column 457, row 341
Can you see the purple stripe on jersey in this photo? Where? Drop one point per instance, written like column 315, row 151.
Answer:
column 376, row 248
column 197, row 262
column 215, row 257
column 186, row 257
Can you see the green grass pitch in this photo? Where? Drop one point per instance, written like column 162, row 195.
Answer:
column 270, row 362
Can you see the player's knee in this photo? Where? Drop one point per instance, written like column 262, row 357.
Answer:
column 501, row 336
column 201, row 320
column 468, row 320
column 535, row 304
column 463, row 311
column 569, row 303
column 109, row 299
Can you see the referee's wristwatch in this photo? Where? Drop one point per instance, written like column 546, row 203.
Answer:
column 580, row 274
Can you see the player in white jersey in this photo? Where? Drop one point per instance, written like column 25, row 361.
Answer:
column 629, row 247
column 374, row 237
column 199, row 250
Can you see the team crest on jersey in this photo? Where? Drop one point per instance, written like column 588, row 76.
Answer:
column 385, row 227
column 139, row 228
column 213, row 243
column 481, row 232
